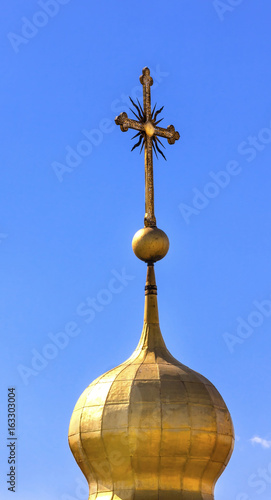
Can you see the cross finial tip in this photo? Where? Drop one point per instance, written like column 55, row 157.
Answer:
column 175, row 136
column 146, row 78
column 122, row 121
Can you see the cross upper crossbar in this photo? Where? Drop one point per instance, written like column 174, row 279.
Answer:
column 168, row 133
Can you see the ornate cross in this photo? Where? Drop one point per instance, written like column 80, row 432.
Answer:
column 146, row 124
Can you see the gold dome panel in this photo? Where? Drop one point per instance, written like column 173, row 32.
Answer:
column 151, row 428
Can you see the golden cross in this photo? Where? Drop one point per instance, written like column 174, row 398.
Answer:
column 146, row 125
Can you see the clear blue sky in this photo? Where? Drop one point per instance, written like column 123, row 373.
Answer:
column 69, row 210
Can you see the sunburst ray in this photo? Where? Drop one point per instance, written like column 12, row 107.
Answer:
column 158, row 149
column 157, row 113
column 137, row 108
column 138, row 143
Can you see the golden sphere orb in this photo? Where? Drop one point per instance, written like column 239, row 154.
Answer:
column 150, row 244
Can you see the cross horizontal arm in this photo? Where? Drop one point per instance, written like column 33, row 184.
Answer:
column 126, row 123
column 168, row 133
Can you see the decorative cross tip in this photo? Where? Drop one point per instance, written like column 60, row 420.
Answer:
column 175, row 136
column 122, row 121
column 145, row 78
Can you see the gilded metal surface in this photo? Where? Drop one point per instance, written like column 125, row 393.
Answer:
column 151, row 428
column 148, row 133
column 150, row 244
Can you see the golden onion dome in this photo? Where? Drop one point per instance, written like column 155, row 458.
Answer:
column 151, row 428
